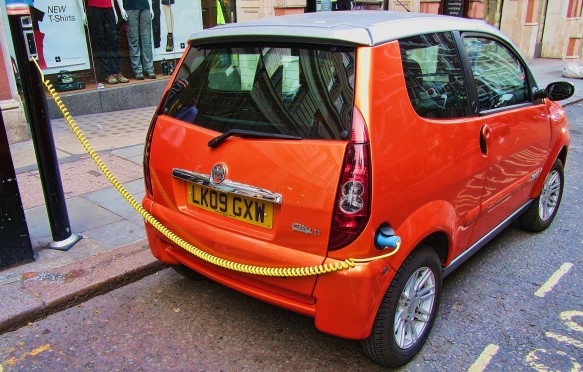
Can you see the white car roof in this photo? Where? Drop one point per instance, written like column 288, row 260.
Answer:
column 366, row 27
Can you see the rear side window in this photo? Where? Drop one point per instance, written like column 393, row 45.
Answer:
column 282, row 89
column 499, row 76
column 434, row 76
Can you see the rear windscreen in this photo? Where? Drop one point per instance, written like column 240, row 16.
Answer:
column 299, row 91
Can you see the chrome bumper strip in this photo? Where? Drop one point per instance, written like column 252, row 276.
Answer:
column 228, row 186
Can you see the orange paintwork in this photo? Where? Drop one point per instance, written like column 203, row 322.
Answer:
column 436, row 181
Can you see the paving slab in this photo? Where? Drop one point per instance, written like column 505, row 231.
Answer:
column 130, row 152
column 116, row 234
column 78, row 177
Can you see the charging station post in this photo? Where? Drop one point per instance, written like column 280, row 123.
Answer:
column 22, row 29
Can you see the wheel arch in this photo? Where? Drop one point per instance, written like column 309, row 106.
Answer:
column 563, row 155
column 558, row 153
column 434, row 224
column 439, row 242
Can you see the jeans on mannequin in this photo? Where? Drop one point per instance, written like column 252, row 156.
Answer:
column 139, row 36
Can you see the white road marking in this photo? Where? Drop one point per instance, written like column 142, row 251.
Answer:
column 484, row 359
column 553, row 280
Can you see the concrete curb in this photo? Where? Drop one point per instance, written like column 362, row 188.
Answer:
column 39, row 294
column 570, row 103
column 114, row 98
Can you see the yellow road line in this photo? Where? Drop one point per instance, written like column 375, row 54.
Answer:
column 553, row 280
column 565, row 339
column 567, row 317
column 484, row 359
column 12, row 361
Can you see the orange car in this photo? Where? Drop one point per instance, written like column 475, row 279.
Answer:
column 320, row 139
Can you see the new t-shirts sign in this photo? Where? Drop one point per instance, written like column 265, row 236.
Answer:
column 60, row 36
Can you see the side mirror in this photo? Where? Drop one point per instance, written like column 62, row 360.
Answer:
column 556, row 91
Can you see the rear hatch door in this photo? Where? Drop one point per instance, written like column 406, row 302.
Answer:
column 250, row 146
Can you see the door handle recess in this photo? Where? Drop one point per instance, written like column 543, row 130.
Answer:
column 485, row 135
column 489, row 134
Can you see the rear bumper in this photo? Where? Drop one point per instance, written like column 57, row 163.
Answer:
column 344, row 303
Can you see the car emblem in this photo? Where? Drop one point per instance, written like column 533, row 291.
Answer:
column 218, row 173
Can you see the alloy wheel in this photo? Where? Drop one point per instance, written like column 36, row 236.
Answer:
column 415, row 307
column 550, row 195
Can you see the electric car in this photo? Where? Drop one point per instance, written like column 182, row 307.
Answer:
column 340, row 164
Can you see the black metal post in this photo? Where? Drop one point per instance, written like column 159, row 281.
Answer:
column 22, row 29
column 15, row 246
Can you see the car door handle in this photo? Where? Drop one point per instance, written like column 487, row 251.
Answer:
column 489, row 133
column 486, row 133
column 496, row 131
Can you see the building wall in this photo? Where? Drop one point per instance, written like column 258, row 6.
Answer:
column 4, row 82
column 429, row 6
column 563, row 30
column 283, row 7
column 248, row 10
column 10, row 103
column 403, row 5
column 520, row 22
column 539, row 28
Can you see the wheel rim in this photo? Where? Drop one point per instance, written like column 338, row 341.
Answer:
column 415, row 308
column 549, row 196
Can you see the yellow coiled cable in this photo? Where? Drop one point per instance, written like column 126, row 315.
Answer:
column 244, row 268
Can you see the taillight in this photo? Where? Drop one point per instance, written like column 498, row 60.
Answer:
column 352, row 209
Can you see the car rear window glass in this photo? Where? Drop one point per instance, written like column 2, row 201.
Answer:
column 434, row 76
column 294, row 90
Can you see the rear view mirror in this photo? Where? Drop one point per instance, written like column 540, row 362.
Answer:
column 560, row 90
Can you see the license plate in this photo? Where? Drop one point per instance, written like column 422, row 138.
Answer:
column 241, row 208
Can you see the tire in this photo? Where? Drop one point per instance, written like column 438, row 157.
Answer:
column 188, row 273
column 541, row 213
column 390, row 343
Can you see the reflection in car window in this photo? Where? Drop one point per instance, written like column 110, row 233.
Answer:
column 434, row 76
column 283, row 89
column 499, row 76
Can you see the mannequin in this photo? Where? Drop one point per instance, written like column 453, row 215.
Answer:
column 169, row 17
column 139, row 14
column 101, row 19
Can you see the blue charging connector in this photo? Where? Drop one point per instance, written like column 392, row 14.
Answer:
column 386, row 238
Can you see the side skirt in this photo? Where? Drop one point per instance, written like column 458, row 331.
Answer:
column 485, row 239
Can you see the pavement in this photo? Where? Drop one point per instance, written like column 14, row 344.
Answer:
column 113, row 251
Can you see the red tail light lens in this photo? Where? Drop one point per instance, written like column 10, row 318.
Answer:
column 352, row 209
